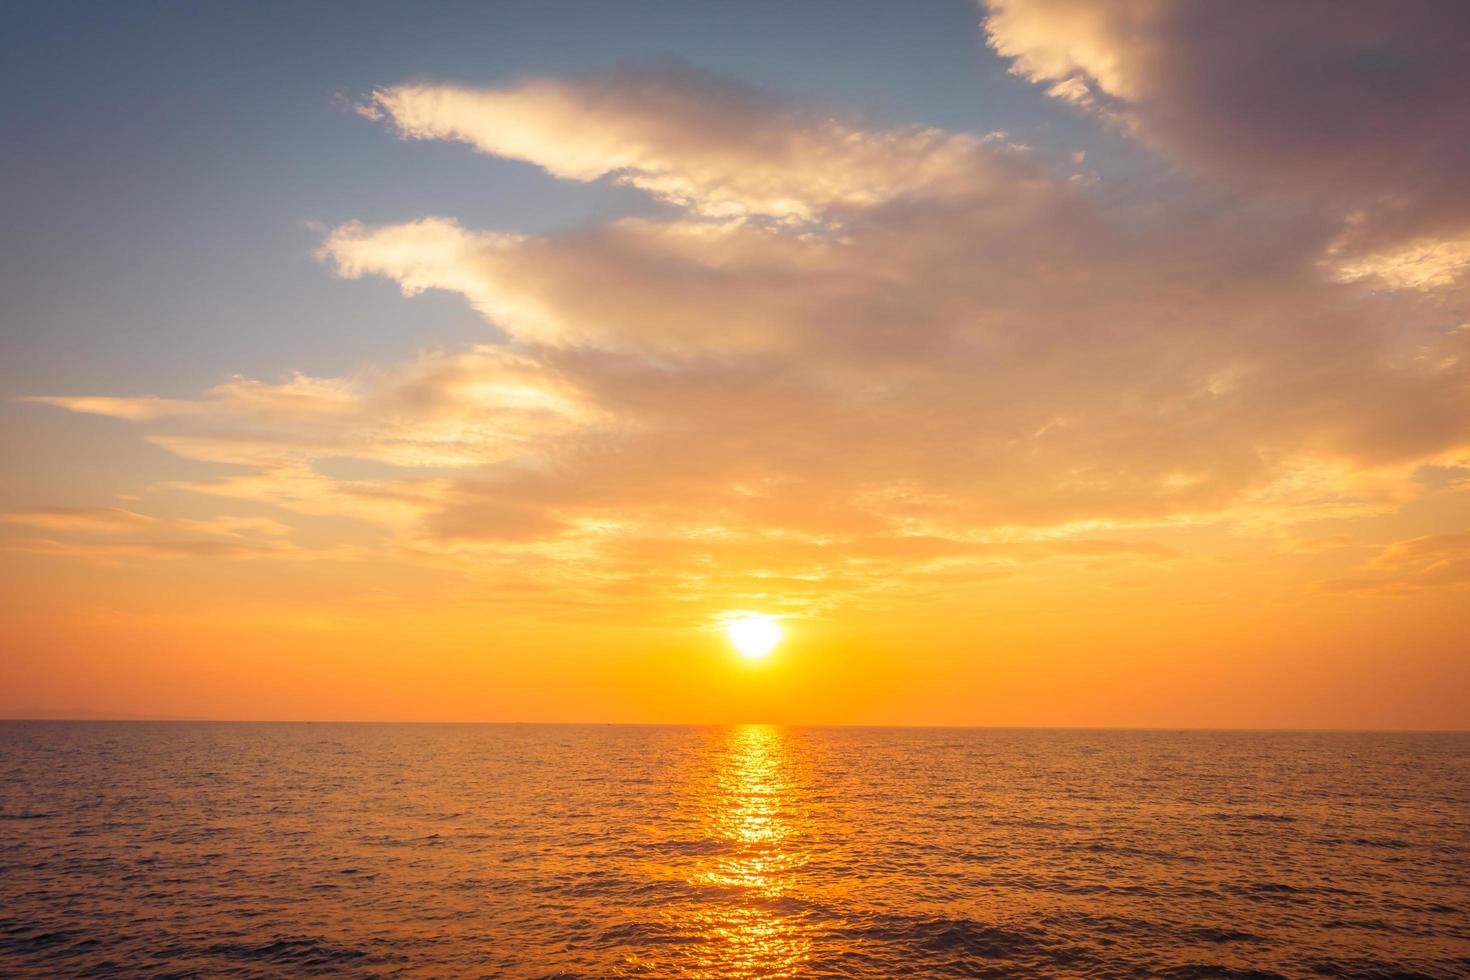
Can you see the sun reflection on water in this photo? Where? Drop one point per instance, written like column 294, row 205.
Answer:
column 748, row 814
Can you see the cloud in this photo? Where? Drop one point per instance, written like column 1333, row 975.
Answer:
column 1424, row 263
column 111, row 552
column 712, row 146
column 109, row 520
column 109, row 535
column 445, row 409
column 1432, row 561
column 1357, row 108
column 144, row 409
column 951, row 361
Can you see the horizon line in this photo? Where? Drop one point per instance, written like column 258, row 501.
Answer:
column 734, row 724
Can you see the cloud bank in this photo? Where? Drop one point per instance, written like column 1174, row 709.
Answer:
column 852, row 356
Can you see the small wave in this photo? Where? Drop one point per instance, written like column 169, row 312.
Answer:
column 639, row 933
column 1379, row 925
column 298, row 953
column 970, row 938
column 1391, row 843
column 690, row 847
column 1214, row 934
column 961, row 941
column 23, row 939
column 1366, row 969
column 1215, row 971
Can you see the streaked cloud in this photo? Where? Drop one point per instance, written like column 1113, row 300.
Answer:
column 1425, row 562
column 108, row 535
column 109, row 520
column 445, row 409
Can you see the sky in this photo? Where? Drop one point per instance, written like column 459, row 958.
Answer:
column 1040, row 362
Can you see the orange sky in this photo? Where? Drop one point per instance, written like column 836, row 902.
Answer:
column 1001, row 438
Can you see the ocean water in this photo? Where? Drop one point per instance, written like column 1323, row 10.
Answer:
column 180, row 849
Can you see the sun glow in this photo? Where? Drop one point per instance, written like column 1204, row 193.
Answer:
column 754, row 635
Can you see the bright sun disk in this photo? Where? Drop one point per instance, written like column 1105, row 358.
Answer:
column 754, row 635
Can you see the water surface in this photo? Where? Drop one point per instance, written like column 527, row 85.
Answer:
column 602, row 851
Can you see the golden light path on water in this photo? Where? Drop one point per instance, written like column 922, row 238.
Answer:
column 748, row 816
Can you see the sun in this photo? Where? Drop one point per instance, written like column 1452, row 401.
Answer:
column 753, row 634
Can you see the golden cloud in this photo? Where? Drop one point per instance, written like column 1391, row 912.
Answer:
column 712, row 146
column 940, row 358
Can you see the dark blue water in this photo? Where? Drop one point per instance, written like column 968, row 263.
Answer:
column 538, row 851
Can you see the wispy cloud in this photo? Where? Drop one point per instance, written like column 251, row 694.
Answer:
column 1430, row 561
column 715, row 147
column 108, row 535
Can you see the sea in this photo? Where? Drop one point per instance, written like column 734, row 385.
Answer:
column 269, row 850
